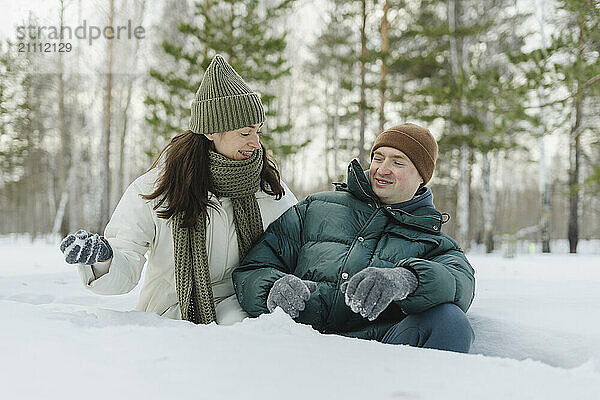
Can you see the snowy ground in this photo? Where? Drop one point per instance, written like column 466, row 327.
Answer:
column 535, row 316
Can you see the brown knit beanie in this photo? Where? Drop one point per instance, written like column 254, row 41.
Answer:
column 416, row 142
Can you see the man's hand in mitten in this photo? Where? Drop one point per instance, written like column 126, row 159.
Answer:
column 370, row 291
column 83, row 247
column 290, row 293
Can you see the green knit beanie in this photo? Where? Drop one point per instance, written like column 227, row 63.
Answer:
column 224, row 102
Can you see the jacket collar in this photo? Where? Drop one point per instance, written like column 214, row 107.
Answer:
column 423, row 198
column 418, row 212
column 358, row 184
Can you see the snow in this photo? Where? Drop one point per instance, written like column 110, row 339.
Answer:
column 535, row 317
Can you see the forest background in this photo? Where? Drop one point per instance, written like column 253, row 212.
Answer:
column 511, row 90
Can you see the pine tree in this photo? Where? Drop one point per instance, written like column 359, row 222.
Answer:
column 248, row 34
column 580, row 43
column 332, row 68
column 449, row 62
column 175, row 73
column 344, row 60
column 571, row 63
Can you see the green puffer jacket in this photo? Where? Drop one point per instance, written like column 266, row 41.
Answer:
column 330, row 236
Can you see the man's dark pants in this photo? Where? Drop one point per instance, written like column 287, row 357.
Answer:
column 444, row 327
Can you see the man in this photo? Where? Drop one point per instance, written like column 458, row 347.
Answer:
column 369, row 259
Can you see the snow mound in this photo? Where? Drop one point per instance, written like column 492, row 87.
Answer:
column 536, row 325
column 501, row 339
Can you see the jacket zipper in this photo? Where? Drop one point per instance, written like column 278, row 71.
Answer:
column 338, row 291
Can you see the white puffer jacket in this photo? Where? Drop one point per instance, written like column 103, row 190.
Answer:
column 135, row 234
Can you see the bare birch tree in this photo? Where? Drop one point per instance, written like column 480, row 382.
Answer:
column 458, row 62
column 105, row 199
column 385, row 45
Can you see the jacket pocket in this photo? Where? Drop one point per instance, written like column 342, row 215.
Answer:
column 396, row 245
column 414, row 236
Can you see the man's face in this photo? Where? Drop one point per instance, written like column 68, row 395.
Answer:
column 393, row 176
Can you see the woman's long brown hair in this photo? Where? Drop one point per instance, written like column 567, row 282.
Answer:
column 184, row 182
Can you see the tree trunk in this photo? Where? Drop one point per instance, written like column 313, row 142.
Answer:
column 205, row 29
column 363, row 96
column 105, row 200
column 336, row 124
column 546, row 195
column 489, row 192
column 229, row 50
column 77, row 217
column 489, row 202
column 33, row 160
column 457, row 63
column 385, row 45
column 574, row 189
column 544, row 181
column 575, row 154
column 122, row 180
column 64, row 160
column 329, row 168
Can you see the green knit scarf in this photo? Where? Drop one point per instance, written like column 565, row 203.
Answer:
column 238, row 180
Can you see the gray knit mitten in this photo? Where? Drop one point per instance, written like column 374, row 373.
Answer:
column 83, row 247
column 290, row 293
column 370, row 291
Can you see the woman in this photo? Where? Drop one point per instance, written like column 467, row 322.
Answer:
column 195, row 213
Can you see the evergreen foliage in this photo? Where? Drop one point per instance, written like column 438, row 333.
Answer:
column 250, row 34
column 428, row 89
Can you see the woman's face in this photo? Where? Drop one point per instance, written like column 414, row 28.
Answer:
column 238, row 144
